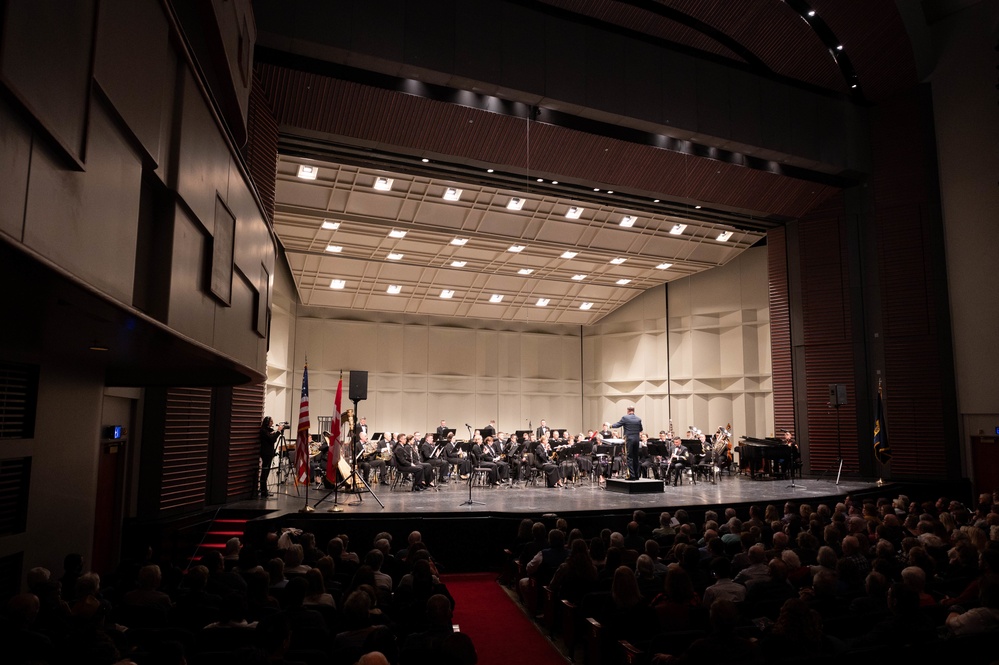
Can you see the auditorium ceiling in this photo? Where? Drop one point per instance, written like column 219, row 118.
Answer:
column 602, row 197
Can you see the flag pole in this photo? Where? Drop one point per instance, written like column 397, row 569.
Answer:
column 336, row 441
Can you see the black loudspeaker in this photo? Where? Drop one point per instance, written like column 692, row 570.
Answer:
column 358, row 386
column 837, row 394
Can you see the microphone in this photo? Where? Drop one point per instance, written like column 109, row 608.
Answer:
column 467, row 425
column 783, row 430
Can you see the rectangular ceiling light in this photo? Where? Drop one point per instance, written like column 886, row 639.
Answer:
column 586, row 305
column 306, row 172
column 574, row 212
column 496, row 298
column 452, row 194
column 678, row 229
column 543, row 302
column 458, row 264
column 579, row 278
column 394, row 289
column 447, row 293
column 459, row 241
column 622, row 282
column 618, row 261
column 329, row 225
column 516, row 248
column 383, row 184
column 628, row 221
column 724, row 236
column 664, row 266
column 395, row 233
column 336, row 249
column 525, row 271
column 515, row 203
column 337, row 284
column 569, row 255
column 394, row 256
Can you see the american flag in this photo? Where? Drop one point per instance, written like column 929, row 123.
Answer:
column 333, row 454
column 302, row 442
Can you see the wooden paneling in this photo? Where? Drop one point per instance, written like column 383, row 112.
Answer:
column 247, row 412
column 780, row 330
column 185, row 448
column 18, row 400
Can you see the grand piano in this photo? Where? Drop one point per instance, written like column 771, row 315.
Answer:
column 760, row 456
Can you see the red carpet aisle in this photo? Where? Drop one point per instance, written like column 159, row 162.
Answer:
column 501, row 632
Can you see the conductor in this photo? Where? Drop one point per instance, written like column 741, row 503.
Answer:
column 632, row 425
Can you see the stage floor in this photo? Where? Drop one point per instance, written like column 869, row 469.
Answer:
column 526, row 501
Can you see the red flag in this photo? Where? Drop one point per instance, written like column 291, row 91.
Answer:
column 333, row 454
column 302, row 442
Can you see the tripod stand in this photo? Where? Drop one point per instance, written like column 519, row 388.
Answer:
column 285, row 466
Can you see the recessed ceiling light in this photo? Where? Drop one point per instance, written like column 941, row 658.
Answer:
column 697, row 207
column 424, row 160
column 554, row 182
column 579, row 278
column 458, row 264
column 489, row 170
column 596, row 189
column 394, row 289
column 543, row 302
column 811, row 12
column 97, row 346
column 618, row 261
column 574, row 212
column 395, row 233
column 337, row 284
column 678, row 229
column 724, row 236
column 496, row 298
column 610, row 191
column 459, row 241
column 541, row 179
column 515, row 203
column 628, row 221
column 586, row 305
column 664, row 266
column 839, row 47
column 853, row 86
column 525, row 271
column 330, row 225
column 383, row 184
column 517, row 248
column 394, row 256
column 622, row 282
column 447, row 293
column 306, row 172
column 569, row 255
column 655, row 200
column 452, row 194
column 336, row 249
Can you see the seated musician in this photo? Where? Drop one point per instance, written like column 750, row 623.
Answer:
column 487, row 457
column 370, row 459
column 514, row 453
column 407, row 461
column 784, row 465
column 455, row 455
column 543, row 461
column 317, row 463
column 584, row 462
column 431, row 454
column 679, row 459
column 645, row 461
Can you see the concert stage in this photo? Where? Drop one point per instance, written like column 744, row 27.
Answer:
column 472, row 537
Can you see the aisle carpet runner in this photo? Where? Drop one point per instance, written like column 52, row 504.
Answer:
column 501, row 632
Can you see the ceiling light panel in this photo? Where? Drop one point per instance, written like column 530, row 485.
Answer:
column 383, row 184
column 452, row 194
column 395, row 233
column 569, row 255
column 678, row 229
column 447, row 293
column 496, row 298
column 460, row 242
column 394, row 289
column 574, row 212
column 306, row 172
column 628, row 221
column 337, row 284
column 330, row 225
column 618, row 261
column 516, row 203
column 543, row 302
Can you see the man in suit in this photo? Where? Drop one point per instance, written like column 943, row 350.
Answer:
column 488, row 430
column 679, row 459
column 632, row 425
column 407, row 461
column 361, row 427
column 543, row 430
column 442, row 431
column 437, row 463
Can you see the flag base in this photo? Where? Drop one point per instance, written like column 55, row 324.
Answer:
column 334, row 509
column 306, row 509
column 880, row 483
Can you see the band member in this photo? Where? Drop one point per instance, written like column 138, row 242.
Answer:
column 360, row 427
column 431, row 454
column 513, row 452
column 489, row 430
column 542, row 460
column 644, row 457
column 268, row 437
column 370, row 460
column 493, row 452
column 678, row 460
column 442, row 431
column 482, row 458
column 454, row 455
column 317, row 463
column 785, row 463
column 542, row 430
column 406, row 462
column 632, row 425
